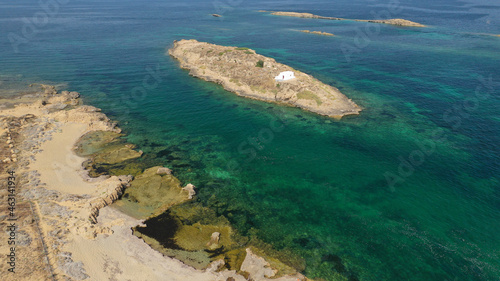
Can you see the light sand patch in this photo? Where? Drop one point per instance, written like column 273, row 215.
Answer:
column 23, row 109
column 58, row 166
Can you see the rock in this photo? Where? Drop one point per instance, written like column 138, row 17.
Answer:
column 398, row 22
column 114, row 154
column 156, row 192
column 57, row 106
column 110, row 190
column 317, row 32
column 88, row 108
column 303, row 15
column 74, row 95
column 214, row 239
column 257, row 267
column 163, row 171
column 215, row 266
column 190, row 189
column 69, row 267
column 48, row 89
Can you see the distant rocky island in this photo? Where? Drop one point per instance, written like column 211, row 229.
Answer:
column 397, row 22
column 248, row 74
column 318, row 32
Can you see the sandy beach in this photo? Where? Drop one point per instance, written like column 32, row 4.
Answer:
column 66, row 229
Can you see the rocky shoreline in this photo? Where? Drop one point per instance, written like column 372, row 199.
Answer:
column 397, row 22
column 67, row 231
column 248, row 74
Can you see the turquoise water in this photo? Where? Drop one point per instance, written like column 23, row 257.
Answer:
column 296, row 180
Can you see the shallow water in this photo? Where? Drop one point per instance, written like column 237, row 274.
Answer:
column 294, row 179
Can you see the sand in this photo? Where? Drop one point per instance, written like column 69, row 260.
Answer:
column 58, row 166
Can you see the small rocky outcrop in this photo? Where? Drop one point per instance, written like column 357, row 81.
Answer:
column 110, row 191
column 214, row 239
column 259, row 269
column 397, row 22
column 317, row 32
column 304, row 15
column 190, row 189
column 162, row 171
column 248, row 74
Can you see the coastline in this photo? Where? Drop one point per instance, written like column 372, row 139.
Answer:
column 79, row 235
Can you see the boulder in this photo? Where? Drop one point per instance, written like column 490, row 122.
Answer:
column 190, row 189
column 257, row 267
column 163, row 171
column 214, row 239
column 74, row 95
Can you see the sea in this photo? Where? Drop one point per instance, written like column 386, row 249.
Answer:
column 407, row 190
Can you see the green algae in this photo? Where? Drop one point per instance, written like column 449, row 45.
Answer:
column 197, row 236
column 117, row 153
column 153, row 193
column 108, row 154
column 93, row 142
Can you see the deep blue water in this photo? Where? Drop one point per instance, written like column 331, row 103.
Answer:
column 316, row 186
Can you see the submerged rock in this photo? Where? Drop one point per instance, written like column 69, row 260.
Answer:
column 109, row 154
column 95, row 141
column 317, row 32
column 116, row 153
column 159, row 192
